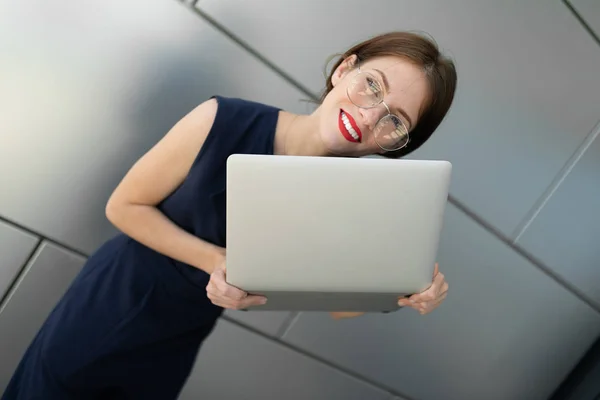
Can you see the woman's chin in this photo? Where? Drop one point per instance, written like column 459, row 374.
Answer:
column 345, row 152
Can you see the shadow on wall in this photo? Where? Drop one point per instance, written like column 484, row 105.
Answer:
column 86, row 90
column 169, row 84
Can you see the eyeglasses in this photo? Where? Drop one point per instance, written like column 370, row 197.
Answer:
column 365, row 91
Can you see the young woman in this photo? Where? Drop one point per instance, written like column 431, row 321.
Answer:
column 132, row 322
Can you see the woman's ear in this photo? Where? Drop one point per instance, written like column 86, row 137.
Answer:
column 344, row 68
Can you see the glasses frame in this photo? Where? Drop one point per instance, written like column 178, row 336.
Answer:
column 389, row 113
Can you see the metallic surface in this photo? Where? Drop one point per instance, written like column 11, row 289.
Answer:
column 268, row 322
column 45, row 279
column 528, row 92
column 236, row 365
column 15, row 247
column 565, row 234
column 589, row 10
column 86, row 88
column 506, row 331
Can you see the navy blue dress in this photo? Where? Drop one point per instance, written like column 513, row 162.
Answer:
column 132, row 322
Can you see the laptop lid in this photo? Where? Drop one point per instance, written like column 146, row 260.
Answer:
column 332, row 233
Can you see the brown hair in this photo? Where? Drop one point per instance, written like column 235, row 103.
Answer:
column 424, row 52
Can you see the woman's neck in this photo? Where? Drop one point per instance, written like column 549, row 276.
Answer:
column 298, row 135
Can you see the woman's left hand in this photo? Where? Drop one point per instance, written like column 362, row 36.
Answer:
column 428, row 300
column 424, row 302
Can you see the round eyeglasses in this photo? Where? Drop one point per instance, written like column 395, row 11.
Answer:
column 365, row 91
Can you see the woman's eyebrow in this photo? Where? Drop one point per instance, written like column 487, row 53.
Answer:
column 386, row 84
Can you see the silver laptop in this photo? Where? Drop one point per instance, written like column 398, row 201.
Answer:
column 333, row 234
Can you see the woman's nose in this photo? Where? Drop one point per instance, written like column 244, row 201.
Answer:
column 370, row 116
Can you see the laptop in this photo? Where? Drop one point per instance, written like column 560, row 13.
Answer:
column 333, row 233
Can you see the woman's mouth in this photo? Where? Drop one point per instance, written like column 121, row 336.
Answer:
column 349, row 128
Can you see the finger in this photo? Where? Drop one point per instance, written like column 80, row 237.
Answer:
column 218, row 274
column 214, row 289
column 233, row 293
column 428, row 295
column 221, row 301
column 440, row 299
column 435, row 287
column 223, row 304
column 216, row 300
column 211, row 290
column 440, row 292
column 224, row 289
column 444, row 288
column 408, row 301
column 428, row 298
column 404, row 301
column 432, row 292
column 252, row 300
column 223, row 294
column 248, row 301
column 426, row 308
column 431, row 296
column 439, row 280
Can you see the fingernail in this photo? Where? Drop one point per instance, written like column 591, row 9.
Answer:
column 412, row 301
column 263, row 301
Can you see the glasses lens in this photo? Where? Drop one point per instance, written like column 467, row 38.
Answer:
column 365, row 91
column 391, row 133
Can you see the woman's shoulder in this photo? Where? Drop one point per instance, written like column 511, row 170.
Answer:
column 231, row 114
column 240, row 117
column 237, row 104
column 239, row 126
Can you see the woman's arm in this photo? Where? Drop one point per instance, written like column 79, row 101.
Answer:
column 132, row 206
column 341, row 315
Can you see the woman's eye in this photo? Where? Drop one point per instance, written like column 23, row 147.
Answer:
column 373, row 86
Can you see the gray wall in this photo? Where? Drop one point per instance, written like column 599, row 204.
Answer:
column 88, row 87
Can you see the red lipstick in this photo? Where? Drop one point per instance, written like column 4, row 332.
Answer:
column 349, row 128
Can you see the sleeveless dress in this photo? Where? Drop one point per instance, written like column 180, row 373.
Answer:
column 132, row 322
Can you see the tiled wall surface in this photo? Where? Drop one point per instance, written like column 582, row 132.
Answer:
column 88, row 92
column 15, row 247
column 238, row 365
column 517, row 75
column 43, row 281
column 589, row 12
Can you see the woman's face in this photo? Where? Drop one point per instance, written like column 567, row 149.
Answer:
column 354, row 119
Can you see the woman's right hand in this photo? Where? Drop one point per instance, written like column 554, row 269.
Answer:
column 224, row 295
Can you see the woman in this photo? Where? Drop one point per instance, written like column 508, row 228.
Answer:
column 132, row 322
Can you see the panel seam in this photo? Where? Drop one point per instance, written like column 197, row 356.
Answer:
column 452, row 200
column 556, row 183
column 14, row 284
column 536, row 263
column 582, row 21
column 288, row 324
column 43, row 237
column 242, row 43
column 310, row 355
